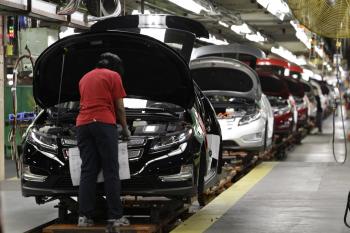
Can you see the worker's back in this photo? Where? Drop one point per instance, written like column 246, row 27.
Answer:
column 98, row 90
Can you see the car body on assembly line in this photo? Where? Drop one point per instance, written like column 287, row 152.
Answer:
column 278, row 94
column 233, row 87
column 175, row 144
column 281, row 69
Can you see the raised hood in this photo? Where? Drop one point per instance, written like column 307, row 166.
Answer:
column 295, row 87
column 153, row 70
column 272, row 85
column 243, row 53
column 226, row 75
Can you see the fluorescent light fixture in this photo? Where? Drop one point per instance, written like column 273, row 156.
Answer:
column 319, row 51
column 277, row 8
column 288, row 55
column 213, row 40
column 137, row 12
column 300, row 33
column 190, row 5
column 241, row 29
column 255, row 37
column 223, row 24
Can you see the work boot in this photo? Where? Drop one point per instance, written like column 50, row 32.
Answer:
column 85, row 222
column 113, row 223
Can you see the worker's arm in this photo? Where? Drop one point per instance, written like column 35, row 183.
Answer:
column 120, row 111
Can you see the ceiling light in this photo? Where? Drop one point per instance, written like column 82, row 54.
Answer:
column 301, row 33
column 213, row 40
column 223, row 24
column 255, row 37
column 288, row 55
column 190, row 5
column 137, row 12
column 241, row 29
column 276, row 7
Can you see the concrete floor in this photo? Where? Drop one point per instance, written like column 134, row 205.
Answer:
column 304, row 194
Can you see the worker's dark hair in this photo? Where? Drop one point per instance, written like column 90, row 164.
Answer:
column 111, row 61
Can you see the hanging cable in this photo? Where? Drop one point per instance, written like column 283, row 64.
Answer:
column 338, row 44
column 13, row 132
column 65, row 50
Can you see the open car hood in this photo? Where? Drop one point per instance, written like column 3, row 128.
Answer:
column 243, row 53
column 272, row 85
column 229, row 76
column 153, row 70
column 295, row 87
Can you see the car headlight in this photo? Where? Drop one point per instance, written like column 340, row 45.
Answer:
column 249, row 118
column 43, row 140
column 170, row 140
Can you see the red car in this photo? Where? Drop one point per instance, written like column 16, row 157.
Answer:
column 276, row 90
column 280, row 68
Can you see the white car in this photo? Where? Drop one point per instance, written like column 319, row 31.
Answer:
column 244, row 113
column 318, row 91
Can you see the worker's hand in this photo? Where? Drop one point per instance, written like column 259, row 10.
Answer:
column 126, row 134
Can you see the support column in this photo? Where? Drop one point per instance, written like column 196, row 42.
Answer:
column 2, row 101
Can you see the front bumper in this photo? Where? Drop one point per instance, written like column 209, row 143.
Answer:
column 151, row 186
column 244, row 137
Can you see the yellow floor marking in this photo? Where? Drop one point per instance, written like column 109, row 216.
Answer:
column 209, row 214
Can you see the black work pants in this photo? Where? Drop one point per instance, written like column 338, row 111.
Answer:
column 98, row 145
column 319, row 118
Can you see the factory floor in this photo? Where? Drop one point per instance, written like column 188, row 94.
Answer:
column 306, row 193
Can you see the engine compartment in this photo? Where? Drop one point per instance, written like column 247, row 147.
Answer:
column 61, row 123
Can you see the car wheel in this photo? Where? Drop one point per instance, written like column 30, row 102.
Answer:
column 201, row 174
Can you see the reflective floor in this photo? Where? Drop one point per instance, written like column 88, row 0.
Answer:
column 305, row 194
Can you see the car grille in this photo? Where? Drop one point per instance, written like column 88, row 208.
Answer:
column 64, row 182
column 136, row 183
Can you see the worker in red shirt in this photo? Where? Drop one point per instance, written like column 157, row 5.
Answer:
column 101, row 104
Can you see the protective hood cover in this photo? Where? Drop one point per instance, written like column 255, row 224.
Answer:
column 153, row 70
column 272, row 85
column 229, row 76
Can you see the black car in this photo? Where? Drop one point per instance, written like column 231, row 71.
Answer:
column 175, row 147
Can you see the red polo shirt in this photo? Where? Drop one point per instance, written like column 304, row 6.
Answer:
column 98, row 90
